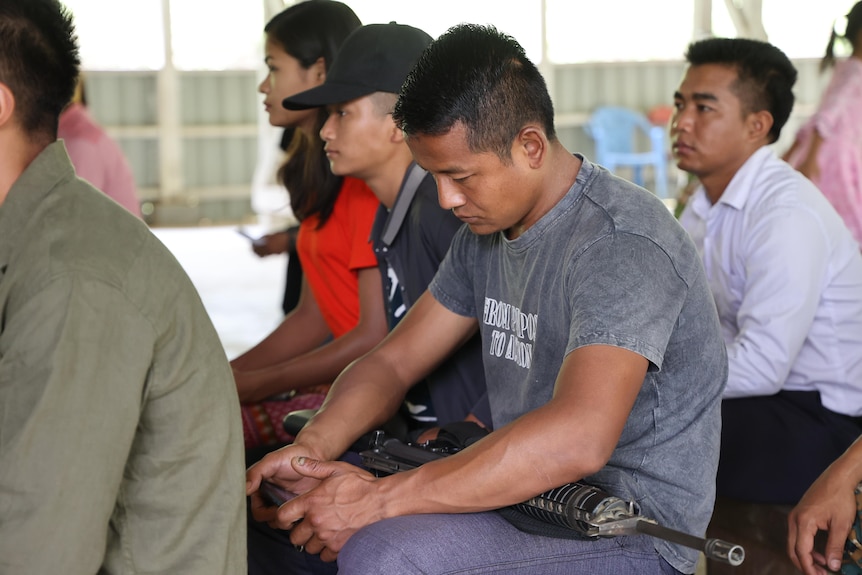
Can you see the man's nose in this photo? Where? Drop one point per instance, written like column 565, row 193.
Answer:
column 447, row 194
column 327, row 130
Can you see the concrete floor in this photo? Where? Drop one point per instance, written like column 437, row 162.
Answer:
column 241, row 291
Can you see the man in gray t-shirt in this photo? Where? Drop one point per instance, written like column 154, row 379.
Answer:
column 602, row 351
column 605, row 266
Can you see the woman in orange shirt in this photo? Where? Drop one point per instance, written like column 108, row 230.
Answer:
column 340, row 313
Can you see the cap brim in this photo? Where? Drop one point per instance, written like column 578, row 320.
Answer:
column 325, row 95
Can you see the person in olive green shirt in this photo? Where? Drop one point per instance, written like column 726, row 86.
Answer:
column 120, row 436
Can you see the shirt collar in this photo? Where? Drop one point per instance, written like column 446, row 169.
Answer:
column 34, row 184
column 741, row 186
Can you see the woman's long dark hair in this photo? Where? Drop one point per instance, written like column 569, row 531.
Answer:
column 309, row 31
column 851, row 34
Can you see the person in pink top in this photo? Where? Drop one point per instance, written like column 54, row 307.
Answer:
column 96, row 156
column 828, row 148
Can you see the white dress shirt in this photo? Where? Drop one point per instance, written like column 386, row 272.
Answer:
column 786, row 275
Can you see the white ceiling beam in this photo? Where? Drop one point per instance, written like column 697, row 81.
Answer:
column 170, row 129
column 702, row 26
column 273, row 7
column 747, row 17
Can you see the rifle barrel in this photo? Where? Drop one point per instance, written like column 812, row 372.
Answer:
column 713, row 548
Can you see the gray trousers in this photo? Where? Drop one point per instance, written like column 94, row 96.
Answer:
column 474, row 543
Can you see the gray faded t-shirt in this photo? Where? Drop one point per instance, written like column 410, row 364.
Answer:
column 607, row 265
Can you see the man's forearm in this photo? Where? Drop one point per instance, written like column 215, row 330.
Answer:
column 847, row 469
column 568, row 438
column 357, row 403
column 480, row 477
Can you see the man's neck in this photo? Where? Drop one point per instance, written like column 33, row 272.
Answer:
column 386, row 182
column 716, row 183
column 561, row 178
column 16, row 153
column 714, row 186
column 560, row 171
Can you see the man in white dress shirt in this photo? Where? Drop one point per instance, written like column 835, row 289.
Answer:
column 785, row 272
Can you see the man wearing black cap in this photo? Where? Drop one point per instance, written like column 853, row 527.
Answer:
column 411, row 233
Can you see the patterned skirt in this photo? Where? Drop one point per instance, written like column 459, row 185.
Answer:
column 262, row 422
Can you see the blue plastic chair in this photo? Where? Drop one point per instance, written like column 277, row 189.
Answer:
column 614, row 131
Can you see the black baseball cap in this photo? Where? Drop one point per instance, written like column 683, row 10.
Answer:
column 374, row 58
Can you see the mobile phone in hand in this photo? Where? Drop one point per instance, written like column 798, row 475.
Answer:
column 274, row 495
column 255, row 241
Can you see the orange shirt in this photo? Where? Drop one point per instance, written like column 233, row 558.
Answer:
column 332, row 256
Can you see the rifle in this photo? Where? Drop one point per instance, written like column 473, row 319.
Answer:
column 572, row 509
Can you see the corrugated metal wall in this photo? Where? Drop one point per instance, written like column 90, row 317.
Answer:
column 219, row 124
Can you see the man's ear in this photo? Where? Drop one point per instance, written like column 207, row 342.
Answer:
column 7, row 104
column 759, row 124
column 532, row 144
column 396, row 134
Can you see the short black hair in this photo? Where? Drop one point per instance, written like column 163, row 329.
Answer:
column 765, row 74
column 39, row 62
column 481, row 78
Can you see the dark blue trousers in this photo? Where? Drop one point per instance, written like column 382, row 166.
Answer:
column 774, row 447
